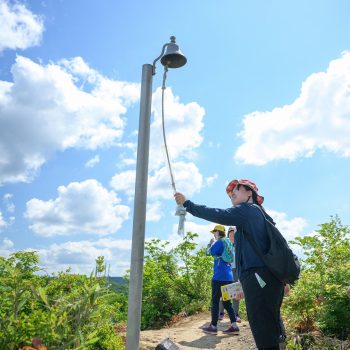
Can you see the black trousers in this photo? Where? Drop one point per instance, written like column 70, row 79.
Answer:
column 263, row 303
column 215, row 299
column 235, row 302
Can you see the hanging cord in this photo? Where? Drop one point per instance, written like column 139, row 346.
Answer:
column 163, row 127
column 180, row 209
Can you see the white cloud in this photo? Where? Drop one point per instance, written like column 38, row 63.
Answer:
column 124, row 181
column 49, row 108
column 129, row 145
column 211, row 179
column 6, row 244
column 183, row 124
column 217, row 145
column 129, row 161
column 318, row 119
column 188, row 179
column 92, row 162
column 80, row 256
column 20, row 28
column 2, row 221
column 7, row 199
column 290, row 228
column 154, row 211
column 6, row 247
column 81, row 207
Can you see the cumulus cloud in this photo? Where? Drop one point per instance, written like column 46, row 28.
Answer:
column 154, row 211
column 81, row 207
column 188, row 178
column 6, row 247
column 92, row 162
column 54, row 107
column 2, row 221
column 20, row 28
column 183, row 125
column 290, row 228
column 7, row 199
column 318, row 119
column 80, row 256
column 125, row 182
column 211, row 179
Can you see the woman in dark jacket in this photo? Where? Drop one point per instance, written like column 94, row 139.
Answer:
column 263, row 292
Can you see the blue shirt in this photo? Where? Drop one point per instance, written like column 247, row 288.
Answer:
column 248, row 220
column 222, row 269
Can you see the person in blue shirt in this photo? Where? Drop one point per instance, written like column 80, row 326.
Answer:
column 235, row 302
column 263, row 292
column 222, row 275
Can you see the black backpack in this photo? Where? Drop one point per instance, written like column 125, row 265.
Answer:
column 279, row 259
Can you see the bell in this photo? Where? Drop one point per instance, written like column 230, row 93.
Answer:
column 173, row 57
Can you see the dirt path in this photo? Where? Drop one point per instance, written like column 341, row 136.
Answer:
column 187, row 335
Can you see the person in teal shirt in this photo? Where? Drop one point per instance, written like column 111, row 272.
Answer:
column 222, row 275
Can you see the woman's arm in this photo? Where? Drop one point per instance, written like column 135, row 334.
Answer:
column 217, row 248
column 235, row 216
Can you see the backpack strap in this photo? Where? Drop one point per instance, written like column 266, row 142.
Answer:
column 263, row 213
column 251, row 239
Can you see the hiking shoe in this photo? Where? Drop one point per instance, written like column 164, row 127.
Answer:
column 210, row 329
column 231, row 330
column 221, row 316
column 238, row 319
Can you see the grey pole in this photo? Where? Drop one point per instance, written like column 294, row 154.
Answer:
column 138, row 231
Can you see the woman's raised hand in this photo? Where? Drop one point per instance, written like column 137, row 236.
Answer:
column 179, row 198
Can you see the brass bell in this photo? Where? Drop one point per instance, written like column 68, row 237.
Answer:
column 173, row 57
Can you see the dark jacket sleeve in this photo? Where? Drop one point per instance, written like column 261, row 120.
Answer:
column 231, row 216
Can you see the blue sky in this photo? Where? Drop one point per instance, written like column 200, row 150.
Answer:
column 264, row 96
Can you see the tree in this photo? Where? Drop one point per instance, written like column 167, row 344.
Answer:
column 319, row 299
column 175, row 281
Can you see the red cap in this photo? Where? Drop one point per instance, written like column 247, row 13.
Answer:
column 230, row 187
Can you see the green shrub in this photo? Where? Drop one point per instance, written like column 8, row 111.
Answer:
column 175, row 282
column 65, row 311
column 318, row 300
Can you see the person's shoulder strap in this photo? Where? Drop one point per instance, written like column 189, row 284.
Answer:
column 263, row 213
column 249, row 237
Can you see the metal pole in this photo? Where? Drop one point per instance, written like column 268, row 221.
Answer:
column 138, row 232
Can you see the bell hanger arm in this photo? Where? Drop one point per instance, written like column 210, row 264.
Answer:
column 158, row 58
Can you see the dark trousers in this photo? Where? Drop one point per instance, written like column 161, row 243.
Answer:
column 215, row 299
column 235, row 302
column 263, row 305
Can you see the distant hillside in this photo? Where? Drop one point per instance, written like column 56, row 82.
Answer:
column 119, row 280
